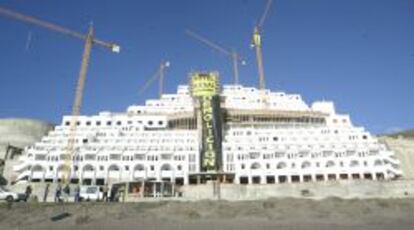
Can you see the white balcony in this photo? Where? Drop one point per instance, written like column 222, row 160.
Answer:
column 165, row 173
column 38, row 175
column 88, row 175
column 139, row 174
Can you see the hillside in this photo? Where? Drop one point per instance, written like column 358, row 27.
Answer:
column 18, row 133
column 405, row 134
column 22, row 132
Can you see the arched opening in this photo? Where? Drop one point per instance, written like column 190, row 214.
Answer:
column 115, row 168
column 88, row 168
column 37, row 173
column 380, row 176
column 88, row 174
column 139, row 167
column 354, row 163
column 306, row 164
column 139, row 172
column 378, row 162
column 255, row 166
column 281, row 165
column 166, row 167
column 368, row 176
column 114, row 172
column 330, row 164
column 63, row 171
column 37, row 168
column 166, row 172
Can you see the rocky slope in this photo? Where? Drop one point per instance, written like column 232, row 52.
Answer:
column 19, row 133
column 22, row 132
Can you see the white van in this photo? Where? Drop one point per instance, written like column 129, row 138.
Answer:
column 90, row 193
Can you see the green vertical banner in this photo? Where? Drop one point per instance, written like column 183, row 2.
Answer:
column 205, row 89
column 211, row 133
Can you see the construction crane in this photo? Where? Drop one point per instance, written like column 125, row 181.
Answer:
column 160, row 74
column 256, row 43
column 235, row 57
column 89, row 40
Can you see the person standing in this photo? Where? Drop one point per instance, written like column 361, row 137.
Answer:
column 77, row 193
column 28, row 192
column 46, row 193
column 58, row 193
column 105, row 193
column 113, row 195
column 66, row 192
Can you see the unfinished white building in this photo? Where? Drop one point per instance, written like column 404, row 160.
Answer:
column 267, row 137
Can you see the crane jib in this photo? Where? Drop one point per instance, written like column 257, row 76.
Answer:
column 57, row 28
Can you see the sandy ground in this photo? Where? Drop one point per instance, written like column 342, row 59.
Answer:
column 332, row 213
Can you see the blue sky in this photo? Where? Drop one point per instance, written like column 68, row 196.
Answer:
column 358, row 53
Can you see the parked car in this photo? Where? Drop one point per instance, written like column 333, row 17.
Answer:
column 6, row 194
column 90, row 193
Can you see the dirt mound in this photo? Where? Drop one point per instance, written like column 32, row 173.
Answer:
column 331, row 213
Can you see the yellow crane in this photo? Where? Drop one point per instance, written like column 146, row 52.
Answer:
column 90, row 40
column 160, row 74
column 257, row 44
column 235, row 57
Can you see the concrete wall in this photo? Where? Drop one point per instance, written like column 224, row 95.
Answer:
column 345, row 189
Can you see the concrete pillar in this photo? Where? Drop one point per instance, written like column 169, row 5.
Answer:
column 236, row 179
column 142, row 188
column 55, row 178
column 162, row 189
column 262, row 179
column 173, row 189
column 374, row 176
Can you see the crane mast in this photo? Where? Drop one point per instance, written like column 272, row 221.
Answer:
column 259, row 57
column 163, row 66
column 257, row 44
column 235, row 59
column 160, row 75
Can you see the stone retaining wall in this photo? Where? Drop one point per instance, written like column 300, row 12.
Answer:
column 343, row 189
